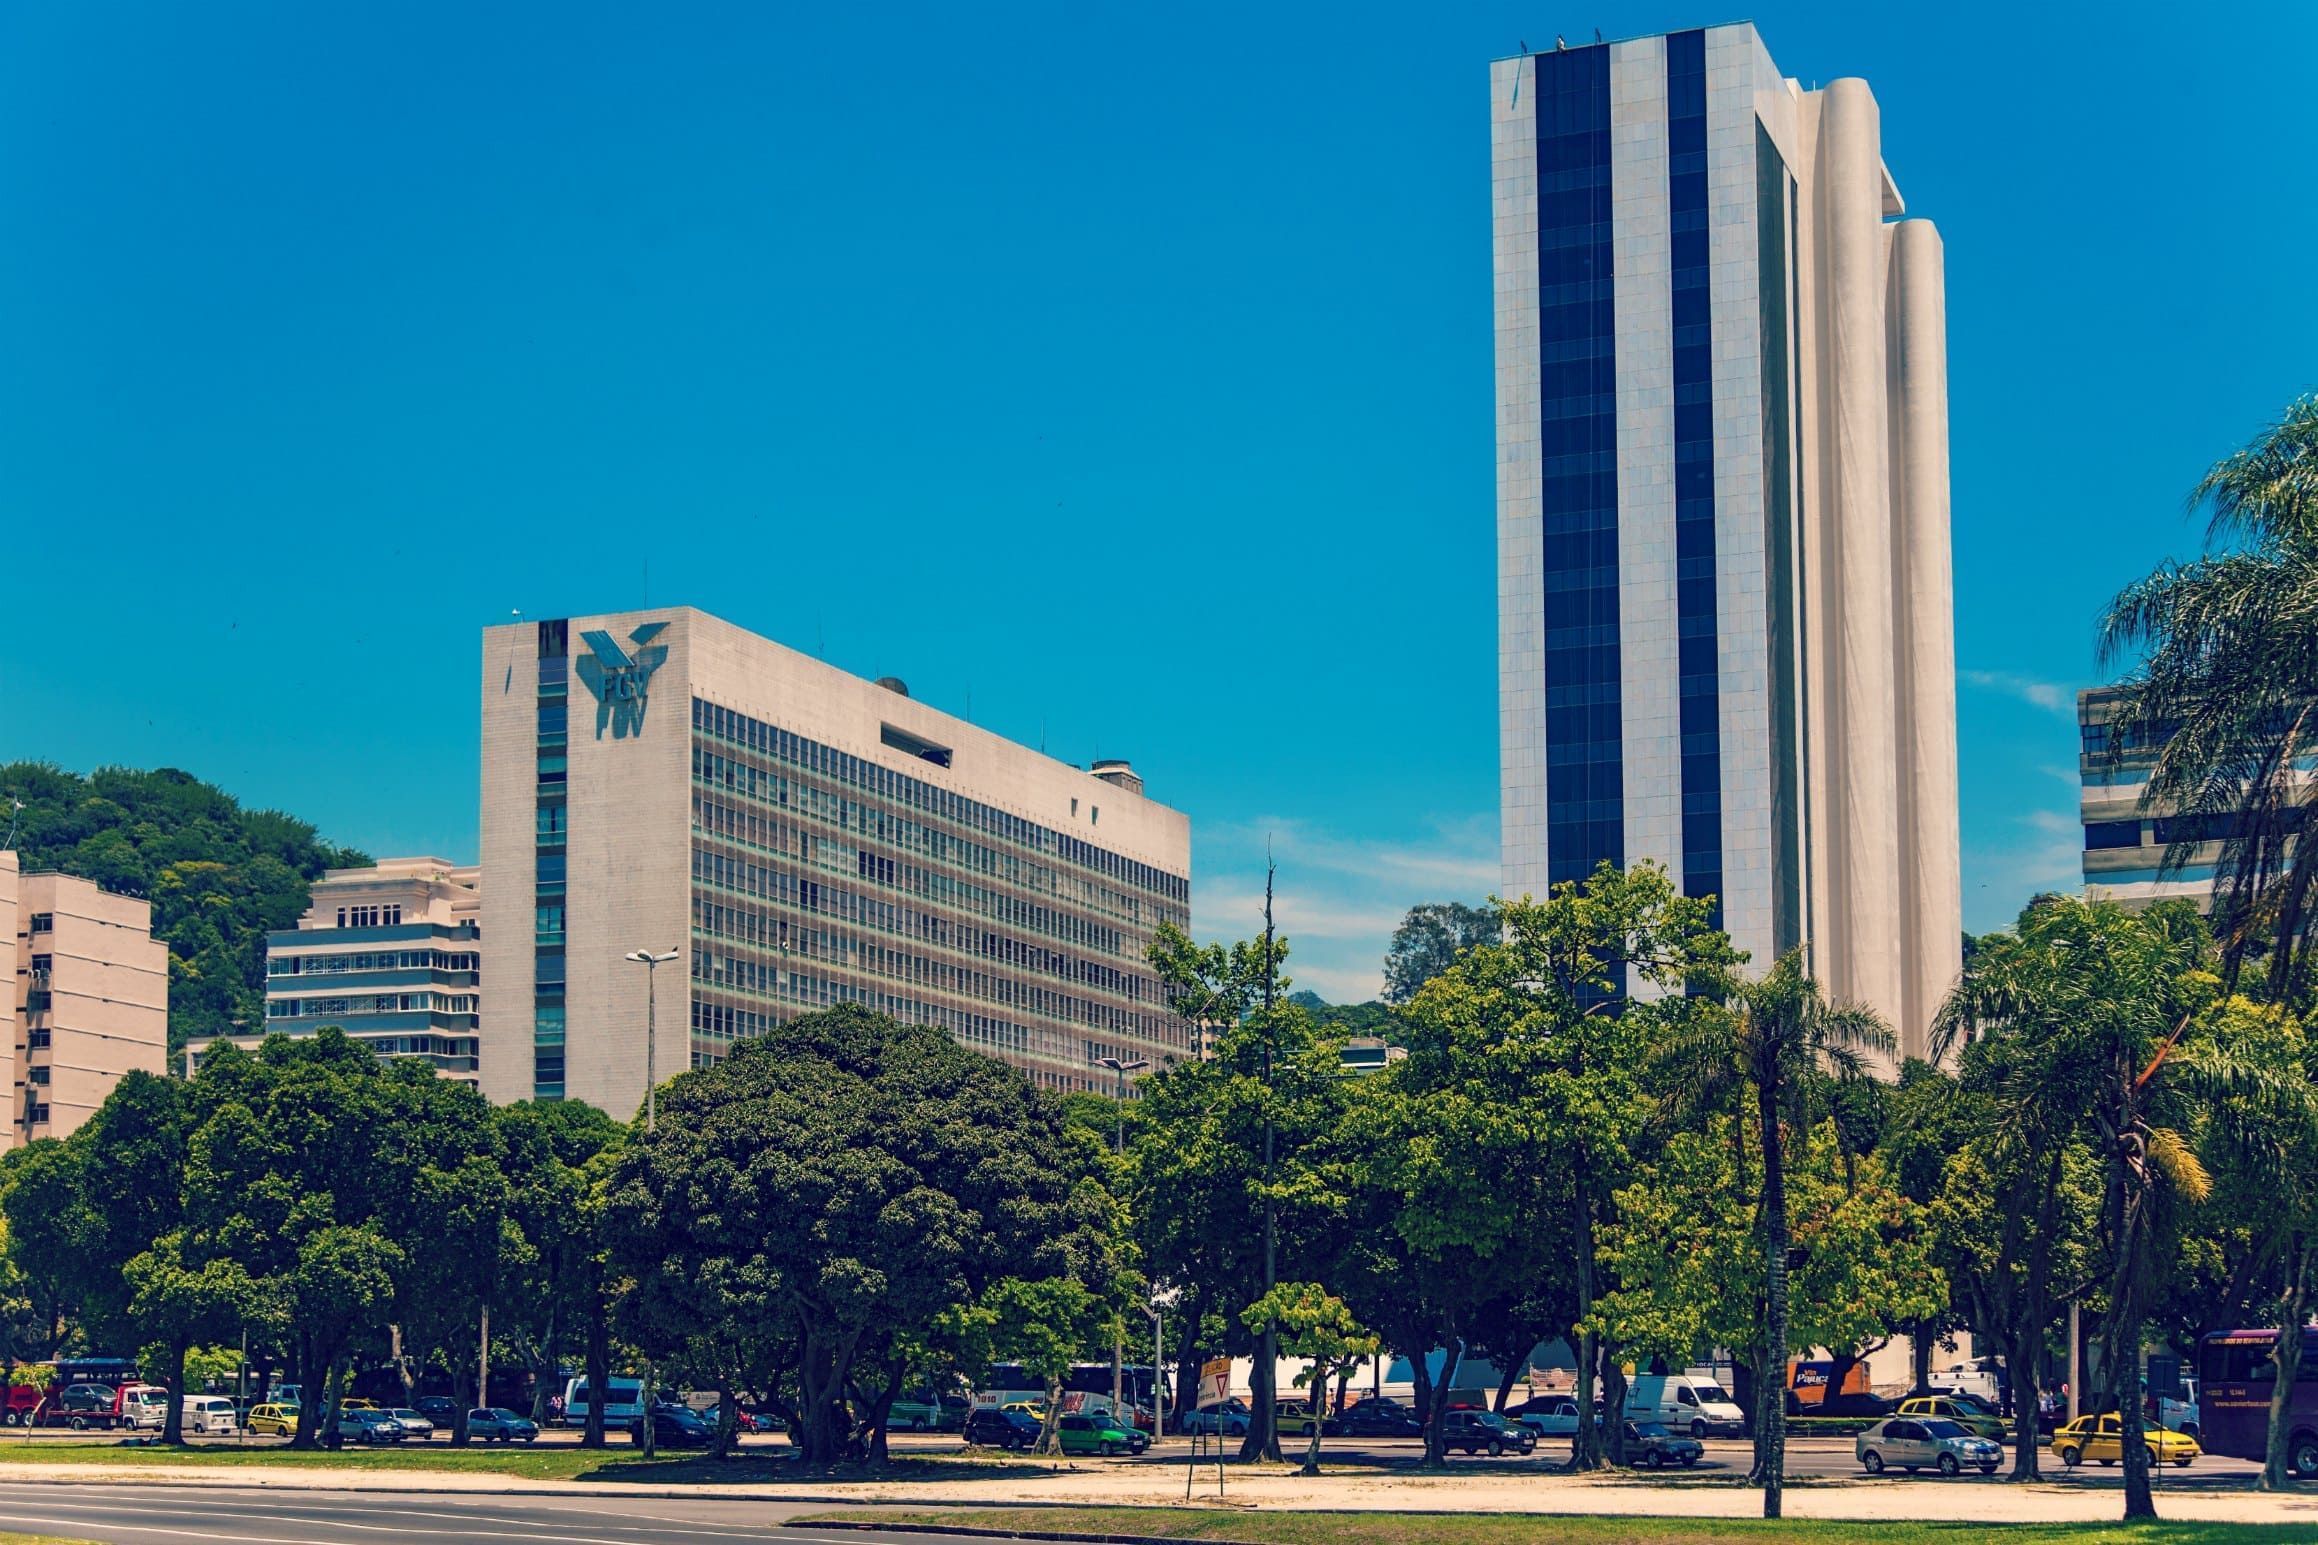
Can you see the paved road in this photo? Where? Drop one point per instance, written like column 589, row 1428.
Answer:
column 160, row 1515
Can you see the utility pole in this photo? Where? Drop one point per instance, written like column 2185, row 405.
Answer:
column 483, row 1363
column 1263, row 1435
column 651, row 964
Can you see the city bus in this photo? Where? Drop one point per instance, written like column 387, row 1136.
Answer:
column 2237, row 1378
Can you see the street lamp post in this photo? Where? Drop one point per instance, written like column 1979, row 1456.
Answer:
column 652, row 964
column 1122, row 1067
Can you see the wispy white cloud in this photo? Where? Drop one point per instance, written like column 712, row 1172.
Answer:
column 1338, row 897
column 2046, row 853
column 2051, row 696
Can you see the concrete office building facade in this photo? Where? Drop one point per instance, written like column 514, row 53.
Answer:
column 663, row 780
column 87, row 999
column 390, row 954
column 1725, row 629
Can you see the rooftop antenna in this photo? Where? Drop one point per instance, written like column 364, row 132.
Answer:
column 16, row 811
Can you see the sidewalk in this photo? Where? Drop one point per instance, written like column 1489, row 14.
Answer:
column 1161, row 1485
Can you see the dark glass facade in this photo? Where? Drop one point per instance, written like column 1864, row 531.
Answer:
column 1776, row 282
column 1694, row 466
column 1578, row 465
column 553, row 830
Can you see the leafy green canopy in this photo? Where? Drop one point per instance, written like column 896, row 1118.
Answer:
column 218, row 876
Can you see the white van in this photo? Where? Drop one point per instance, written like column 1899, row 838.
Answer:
column 146, row 1405
column 1684, row 1404
column 208, row 1415
column 625, row 1405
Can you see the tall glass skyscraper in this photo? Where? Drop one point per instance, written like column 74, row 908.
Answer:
column 1725, row 630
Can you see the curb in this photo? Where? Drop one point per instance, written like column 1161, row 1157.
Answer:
column 965, row 1532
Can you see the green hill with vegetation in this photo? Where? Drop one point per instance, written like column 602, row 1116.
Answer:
column 218, row 876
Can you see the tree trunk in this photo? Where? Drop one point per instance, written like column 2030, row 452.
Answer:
column 2026, row 1355
column 728, row 1417
column 1421, row 1380
column 1613, row 1404
column 463, row 1396
column 1585, row 1448
column 305, row 1359
column 2288, row 1356
column 173, row 1416
column 2122, row 1335
column 1774, row 1439
column 1263, row 1439
column 1512, row 1376
column 1046, row 1438
column 1920, row 1359
column 881, row 1406
column 599, row 1371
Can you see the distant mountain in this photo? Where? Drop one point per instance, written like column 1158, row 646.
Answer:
column 1354, row 1018
column 219, row 876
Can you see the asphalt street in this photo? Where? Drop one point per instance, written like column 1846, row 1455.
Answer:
column 157, row 1515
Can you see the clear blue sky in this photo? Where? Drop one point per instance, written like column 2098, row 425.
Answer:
column 1124, row 370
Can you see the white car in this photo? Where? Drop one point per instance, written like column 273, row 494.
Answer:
column 208, row 1416
column 1549, row 1416
column 1913, row 1443
column 412, row 1424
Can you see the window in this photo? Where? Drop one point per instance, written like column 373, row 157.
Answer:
column 2112, row 834
column 43, row 922
column 554, row 639
column 394, row 916
column 38, row 1075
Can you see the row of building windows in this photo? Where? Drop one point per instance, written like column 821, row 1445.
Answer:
column 371, row 960
column 883, row 783
column 946, row 894
column 387, row 916
column 552, row 831
column 372, row 1003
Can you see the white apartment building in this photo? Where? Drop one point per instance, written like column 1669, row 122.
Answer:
column 1725, row 630
column 796, row 837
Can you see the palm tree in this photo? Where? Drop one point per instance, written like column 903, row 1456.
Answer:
column 2111, row 1041
column 1776, row 1037
column 2225, row 692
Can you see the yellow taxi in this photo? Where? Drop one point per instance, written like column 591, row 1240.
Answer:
column 270, row 1417
column 357, row 1405
column 2102, row 1440
column 1034, row 1409
column 1970, row 1415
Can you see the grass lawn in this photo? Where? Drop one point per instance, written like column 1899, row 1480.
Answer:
column 1317, row 1528
column 39, row 1539
column 752, row 1467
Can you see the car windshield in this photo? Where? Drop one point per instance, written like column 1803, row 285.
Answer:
column 504, row 1414
column 1973, row 1404
column 1711, row 1393
column 1940, row 1428
column 1651, row 1429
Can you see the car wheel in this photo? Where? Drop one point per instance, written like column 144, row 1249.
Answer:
column 1872, row 1462
column 1496, row 1448
column 2149, row 1453
column 1106, row 1449
column 1948, row 1465
column 79, row 1424
column 1698, row 1430
column 1650, row 1459
column 2070, row 1456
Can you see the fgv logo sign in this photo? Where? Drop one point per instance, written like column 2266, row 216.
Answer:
column 621, row 678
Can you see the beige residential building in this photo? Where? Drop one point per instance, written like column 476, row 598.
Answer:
column 88, row 1003
column 391, row 955
column 794, row 837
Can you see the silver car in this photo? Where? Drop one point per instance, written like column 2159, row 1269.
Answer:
column 1912, row 1442
column 412, row 1424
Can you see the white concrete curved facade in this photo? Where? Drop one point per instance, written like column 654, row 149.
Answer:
column 1726, row 641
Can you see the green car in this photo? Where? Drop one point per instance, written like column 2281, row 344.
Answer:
column 1098, row 1435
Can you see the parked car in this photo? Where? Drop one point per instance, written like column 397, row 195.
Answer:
column 208, row 1416
column 674, row 1426
column 1846, row 1403
column 1228, row 1420
column 2102, row 1440
column 1912, row 1443
column 1085, row 1434
column 1293, row 1419
column 1964, row 1411
column 1007, row 1428
column 442, row 1410
column 143, row 1406
column 1549, row 1416
column 1684, row 1404
column 411, row 1422
column 1376, row 1417
column 1474, row 1431
column 1651, row 1444
column 273, row 1417
column 356, row 1403
column 367, row 1426
column 497, row 1424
